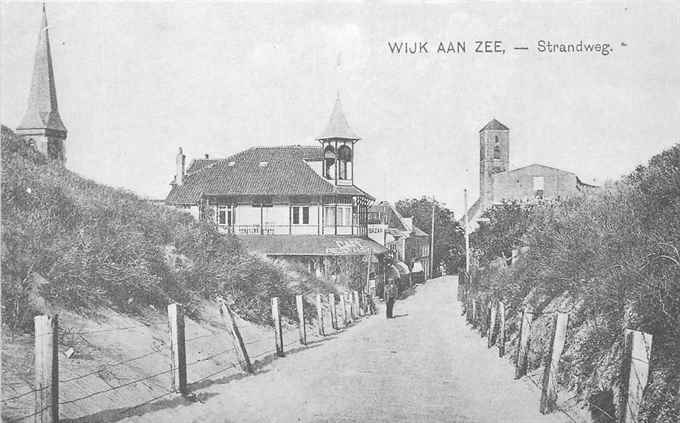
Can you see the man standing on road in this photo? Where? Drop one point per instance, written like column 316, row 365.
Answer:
column 391, row 287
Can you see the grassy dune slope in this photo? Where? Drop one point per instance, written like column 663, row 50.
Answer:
column 105, row 260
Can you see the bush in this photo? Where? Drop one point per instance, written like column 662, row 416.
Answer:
column 104, row 247
column 616, row 254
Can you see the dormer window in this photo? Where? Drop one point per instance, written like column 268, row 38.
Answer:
column 264, row 164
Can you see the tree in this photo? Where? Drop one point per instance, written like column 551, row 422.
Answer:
column 502, row 230
column 449, row 243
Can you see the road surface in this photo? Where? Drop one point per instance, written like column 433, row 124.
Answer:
column 426, row 365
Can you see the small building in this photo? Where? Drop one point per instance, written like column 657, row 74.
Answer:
column 408, row 243
column 498, row 183
column 292, row 202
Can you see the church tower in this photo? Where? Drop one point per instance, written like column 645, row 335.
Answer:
column 494, row 156
column 337, row 141
column 42, row 123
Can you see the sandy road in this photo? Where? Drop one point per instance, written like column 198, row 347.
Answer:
column 425, row 365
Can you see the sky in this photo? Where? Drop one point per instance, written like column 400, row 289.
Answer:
column 135, row 81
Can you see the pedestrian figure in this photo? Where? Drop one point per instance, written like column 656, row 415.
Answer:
column 391, row 287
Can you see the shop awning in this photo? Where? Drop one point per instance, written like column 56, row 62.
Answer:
column 311, row 245
column 403, row 268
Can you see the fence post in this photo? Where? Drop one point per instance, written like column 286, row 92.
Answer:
column 491, row 332
column 635, row 372
column 474, row 312
column 333, row 311
column 278, row 332
column 178, row 356
column 468, row 309
column 319, row 314
column 46, row 369
column 237, row 340
column 343, row 309
column 350, row 304
column 524, row 339
column 501, row 329
column 300, row 305
column 484, row 320
column 549, row 389
column 357, row 303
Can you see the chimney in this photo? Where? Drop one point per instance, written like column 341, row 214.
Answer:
column 207, row 156
column 179, row 177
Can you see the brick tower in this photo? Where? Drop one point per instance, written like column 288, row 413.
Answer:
column 494, row 156
column 42, row 123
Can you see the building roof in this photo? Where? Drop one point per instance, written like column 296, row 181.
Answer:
column 395, row 221
column 199, row 164
column 258, row 171
column 537, row 167
column 494, row 125
column 42, row 111
column 311, row 245
column 337, row 125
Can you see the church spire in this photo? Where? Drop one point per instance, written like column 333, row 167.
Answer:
column 41, row 120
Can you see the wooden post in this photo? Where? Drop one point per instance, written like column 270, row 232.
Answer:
column 524, row 339
column 278, row 332
column 501, row 329
column 635, row 372
column 491, row 331
column 237, row 339
column 484, row 324
column 46, row 369
column 549, row 390
column 474, row 312
column 178, row 356
column 299, row 304
column 468, row 309
column 349, row 303
column 319, row 314
column 343, row 309
column 333, row 311
column 357, row 309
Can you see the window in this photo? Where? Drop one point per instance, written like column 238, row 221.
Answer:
column 329, row 162
column 329, row 215
column 299, row 212
column 344, row 160
column 344, row 216
column 497, row 149
column 296, row 215
column 539, row 183
column 225, row 215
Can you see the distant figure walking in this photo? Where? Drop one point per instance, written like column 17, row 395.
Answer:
column 391, row 287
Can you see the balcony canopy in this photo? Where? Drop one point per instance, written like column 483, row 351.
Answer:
column 311, row 245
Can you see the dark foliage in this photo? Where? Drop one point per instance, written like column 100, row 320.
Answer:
column 104, row 247
column 449, row 246
column 615, row 254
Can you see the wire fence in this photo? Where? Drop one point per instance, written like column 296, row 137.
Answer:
column 119, row 369
column 632, row 387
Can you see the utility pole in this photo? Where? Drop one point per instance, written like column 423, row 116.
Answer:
column 467, row 235
column 432, row 242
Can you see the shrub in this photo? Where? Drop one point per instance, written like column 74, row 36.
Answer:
column 616, row 253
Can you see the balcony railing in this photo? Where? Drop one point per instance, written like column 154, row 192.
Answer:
column 272, row 229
